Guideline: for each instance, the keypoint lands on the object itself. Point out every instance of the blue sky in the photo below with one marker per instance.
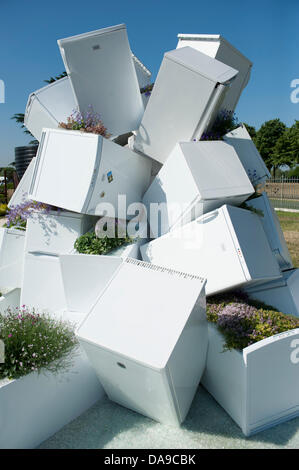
(266, 31)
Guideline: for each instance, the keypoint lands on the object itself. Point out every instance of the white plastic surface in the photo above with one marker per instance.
(49, 106)
(219, 48)
(102, 72)
(258, 387)
(20, 195)
(56, 231)
(149, 350)
(228, 246)
(282, 294)
(42, 286)
(273, 230)
(198, 177)
(249, 156)
(88, 171)
(12, 243)
(185, 100)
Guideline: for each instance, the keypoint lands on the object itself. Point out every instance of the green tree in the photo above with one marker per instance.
(266, 139)
(286, 151)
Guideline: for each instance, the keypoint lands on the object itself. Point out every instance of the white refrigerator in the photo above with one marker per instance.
(273, 230)
(146, 337)
(102, 73)
(42, 285)
(82, 172)
(49, 106)
(214, 45)
(55, 232)
(20, 195)
(249, 155)
(12, 243)
(282, 294)
(228, 246)
(184, 103)
(198, 177)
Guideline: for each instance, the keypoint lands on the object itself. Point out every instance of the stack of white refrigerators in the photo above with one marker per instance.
(142, 309)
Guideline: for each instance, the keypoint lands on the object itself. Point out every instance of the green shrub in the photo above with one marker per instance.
(35, 342)
(90, 244)
(244, 322)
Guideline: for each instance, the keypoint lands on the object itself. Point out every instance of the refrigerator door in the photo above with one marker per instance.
(219, 48)
(273, 230)
(42, 286)
(21, 193)
(186, 96)
(49, 106)
(228, 246)
(137, 347)
(102, 73)
(197, 178)
(66, 166)
(249, 156)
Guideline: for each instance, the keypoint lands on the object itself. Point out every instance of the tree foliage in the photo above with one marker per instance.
(266, 140)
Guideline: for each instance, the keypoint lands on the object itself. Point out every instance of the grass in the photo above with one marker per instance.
(290, 225)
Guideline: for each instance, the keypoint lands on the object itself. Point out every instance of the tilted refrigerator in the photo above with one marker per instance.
(20, 194)
(12, 241)
(184, 103)
(102, 73)
(146, 337)
(282, 294)
(249, 156)
(214, 45)
(228, 246)
(272, 229)
(198, 177)
(55, 232)
(81, 172)
(49, 106)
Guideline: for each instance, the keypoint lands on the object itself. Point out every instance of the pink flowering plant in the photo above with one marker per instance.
(89, 121)
(244, 322)
(35, 342)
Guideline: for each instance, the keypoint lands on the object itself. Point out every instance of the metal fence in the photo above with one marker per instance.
(283, 192)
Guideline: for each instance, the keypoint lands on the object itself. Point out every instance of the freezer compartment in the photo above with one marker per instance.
(282, 294)
(228, 246)
(82, 172)
(197, 178)
(102, 73)
(55, 232)
(215, 46)
(49, 106)
(273, 230)
(249, 156)
(186, 98)
(149, 353)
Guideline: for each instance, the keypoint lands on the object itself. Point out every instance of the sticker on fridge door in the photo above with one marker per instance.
(109, 176)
